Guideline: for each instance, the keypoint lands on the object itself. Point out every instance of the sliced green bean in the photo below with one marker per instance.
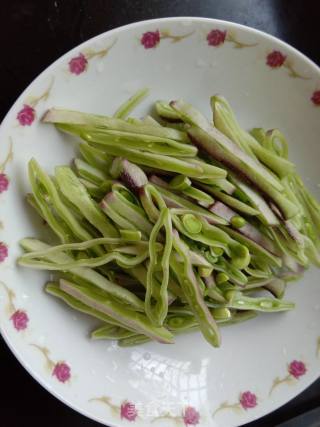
(133, 320)
(106, 139)
(133, 341)
(90, 173)
(76, 122)
(158, 312)
(74, 191)
(96, 279)
(155, 160)
(125, 109)
(53, 288)
(166, 112)
(230, 200)
(95, 158)
(241, 302)
(192, 292)
(48, 188)
(111, 332)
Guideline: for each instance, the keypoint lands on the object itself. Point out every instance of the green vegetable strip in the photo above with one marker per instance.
(96, 279)
(245, 166)
(267, 216)
(174, 200)
(199, 195)
(36, 173)
(76, 122)
(117, 311)
(192, 292)
(95, 158)
(148, 143)
(253, 247)
(125, 109)
(180, 322)
(275, 141)
(140, 273)
(76, 193)
(240, 302)
(38, 202)
(166, 112)
(130, 235)
(158, 313)
(226, 122)
(229, 200)
(124, 261)
(209, 171)
(148, 120)
(151, 200)
(133, 341)
(223, 144)
(233, 274)
(95, 191)
(53, 288)
(32, 202)
(92, 174)
(111, 332)
(134, 213)
(211, 236)
(154, 160)
(115, 216)
(89, 244)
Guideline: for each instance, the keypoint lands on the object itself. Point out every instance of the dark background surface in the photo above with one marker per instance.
(34, 33)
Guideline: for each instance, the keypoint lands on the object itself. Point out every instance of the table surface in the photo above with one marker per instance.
(34, 33)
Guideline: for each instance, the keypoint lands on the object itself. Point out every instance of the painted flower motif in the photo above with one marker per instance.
(128, 411)
(3, 251)
(4, 182)
(297, 368)
(20, 320)
(26, 115)
(216, 37)
(150, 39)
(78, 64)
(248, 400)
(275, 59)
(191, 416)
(62, 372)
(316, 97)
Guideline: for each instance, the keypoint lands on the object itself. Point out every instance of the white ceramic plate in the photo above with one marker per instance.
(260, 365)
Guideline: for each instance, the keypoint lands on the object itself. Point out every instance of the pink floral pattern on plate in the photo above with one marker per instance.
(20, 320)
(296, 369)
(78, 64)
(151, 39)
(247, 400)
(315, 98)
(277, 59)
(61, 370)
(126, 410)
(3, 251)
(217, 38)
(189, 417)
(4, 180)
(27, 114)
(18, 316)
